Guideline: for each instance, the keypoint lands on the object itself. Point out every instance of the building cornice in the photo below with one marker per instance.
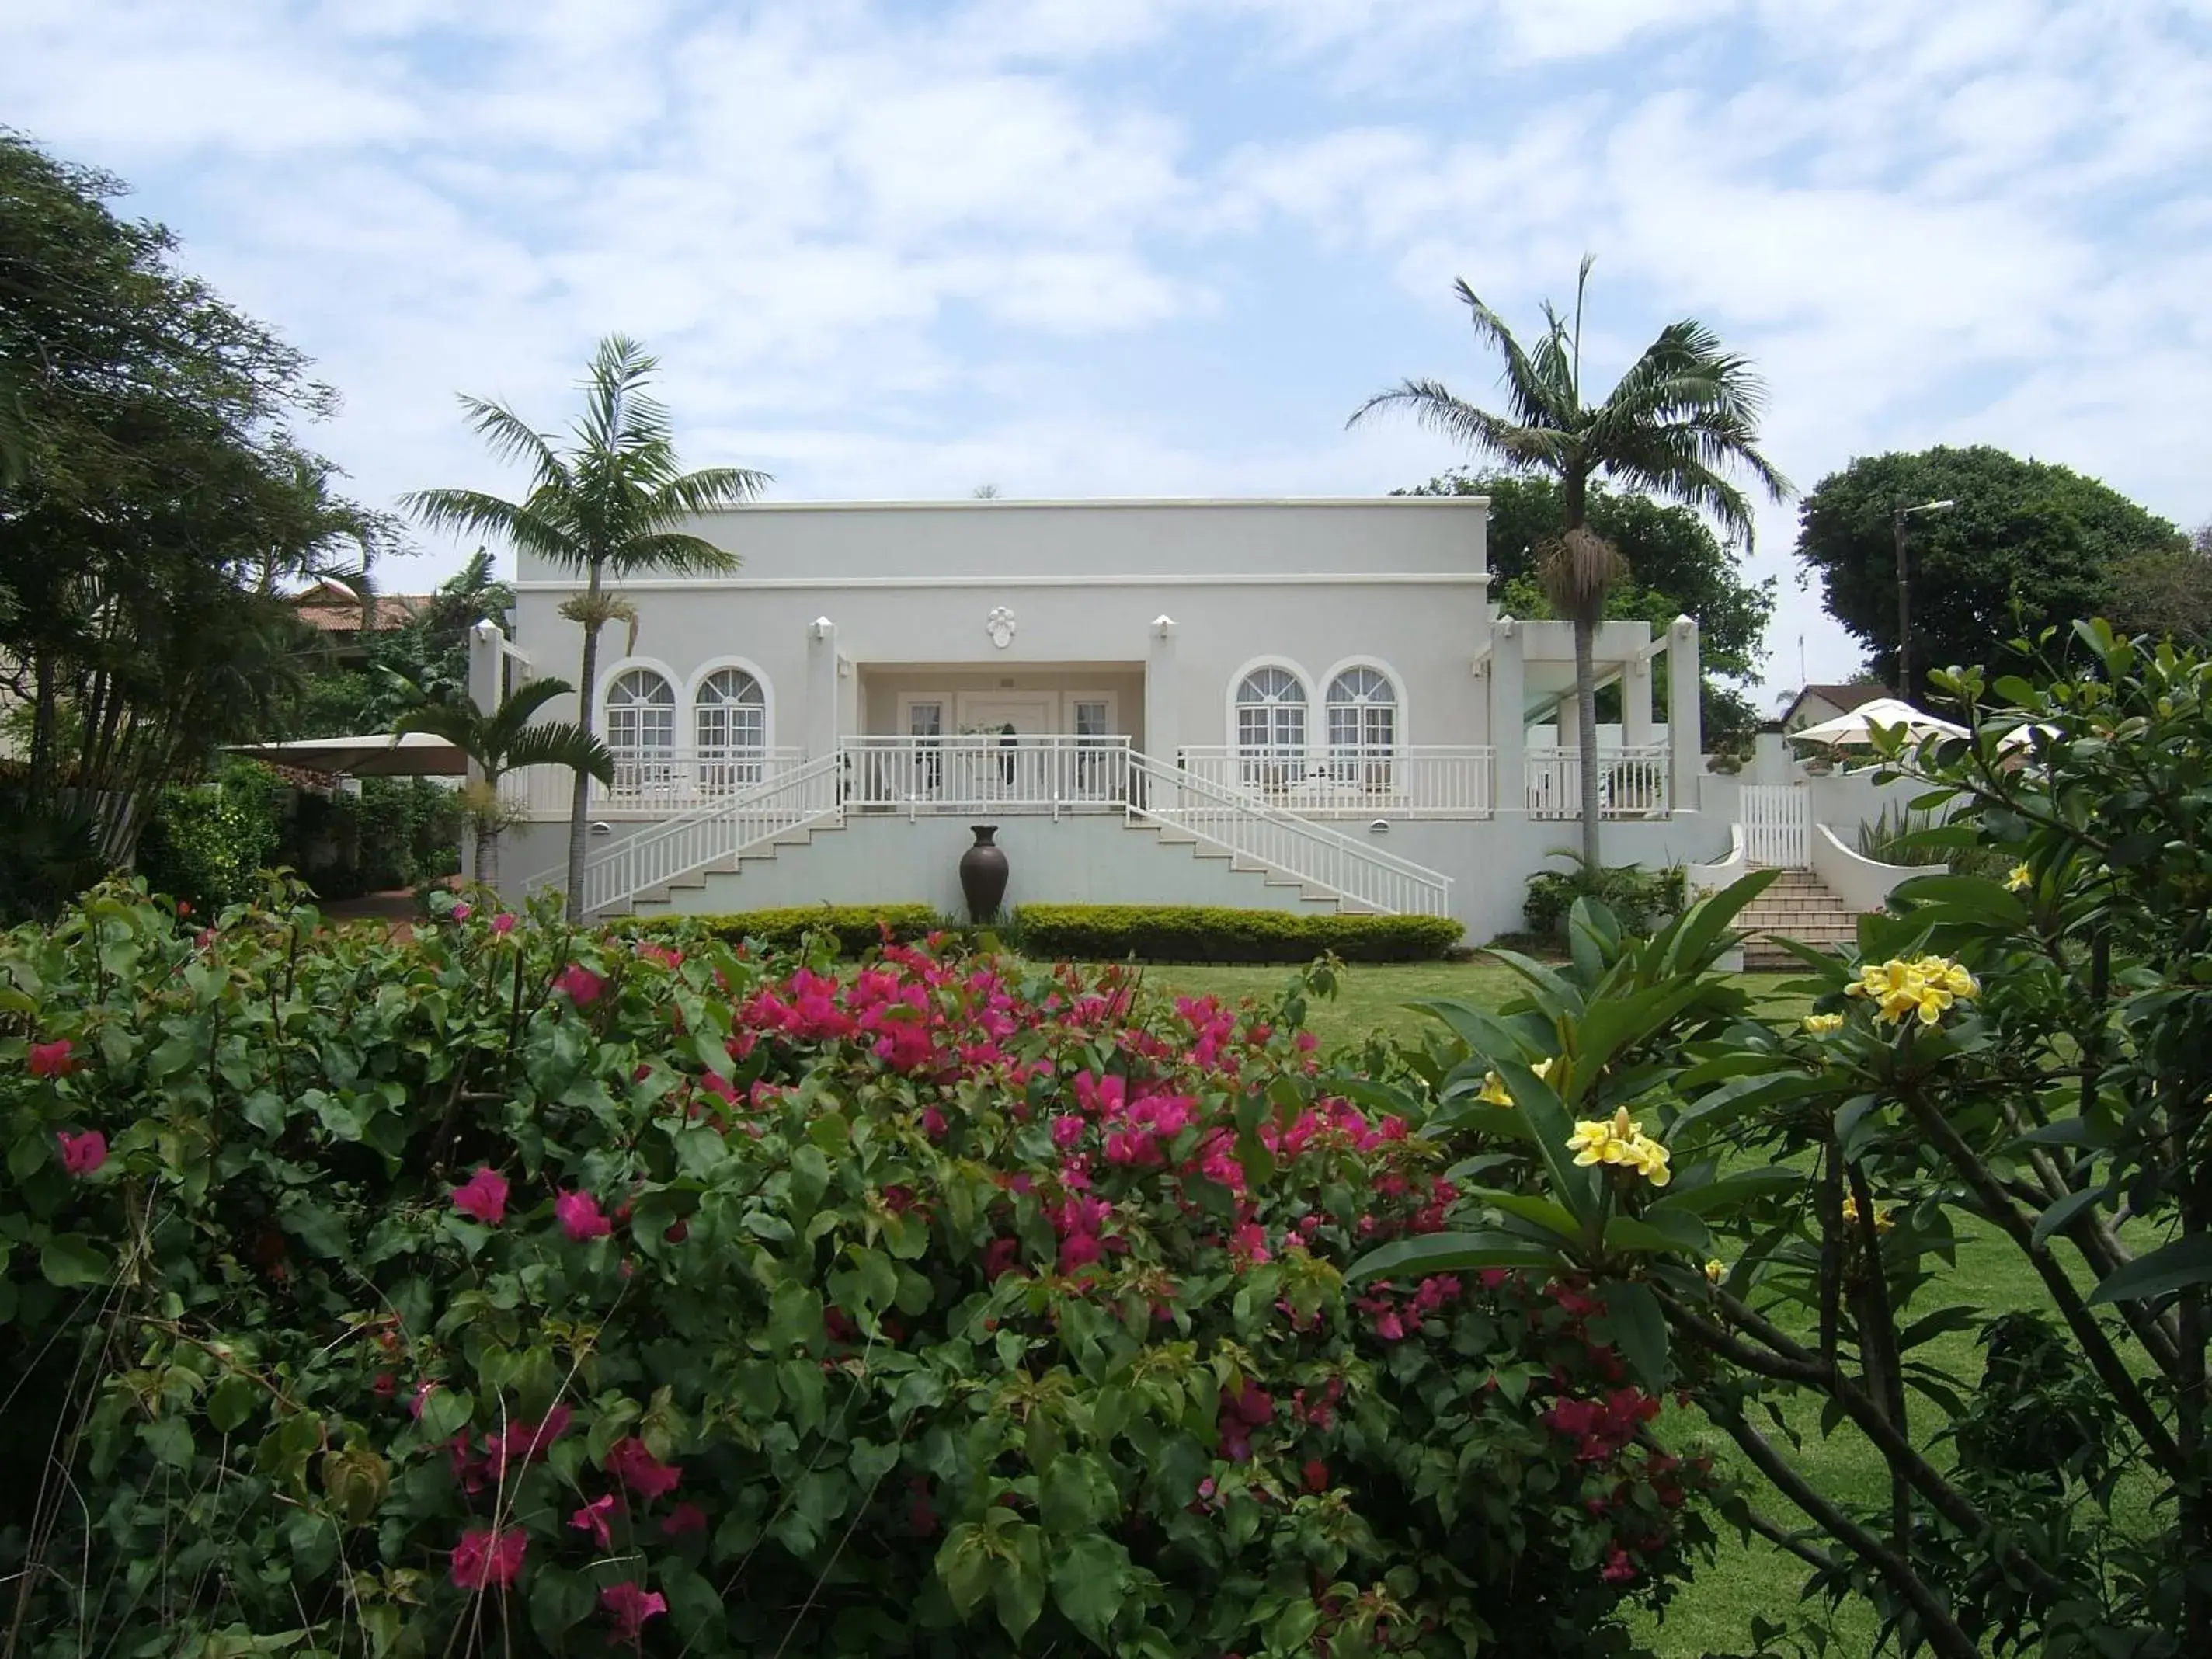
(1117, 579)
(1110, 504)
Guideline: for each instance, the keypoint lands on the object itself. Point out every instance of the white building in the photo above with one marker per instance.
(1277, 704)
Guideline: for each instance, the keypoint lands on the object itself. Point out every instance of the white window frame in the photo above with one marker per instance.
(1363, 763)
(641, 766)
(1275, 765)
(728, 766)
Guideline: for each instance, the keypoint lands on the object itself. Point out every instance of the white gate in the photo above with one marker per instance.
(1777, 826)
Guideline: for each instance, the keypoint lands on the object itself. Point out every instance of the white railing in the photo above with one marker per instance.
(653, 858)
(1777, 826)
(1631, 781)
(657, 783)
(1407, 782)
(1244, 825)
(1023, 773)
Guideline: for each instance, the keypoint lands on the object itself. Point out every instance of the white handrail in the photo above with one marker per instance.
(1244, 824)
(1632, 780)
(1408, 781)
(978, 772)
(650, 783)
(679, 847)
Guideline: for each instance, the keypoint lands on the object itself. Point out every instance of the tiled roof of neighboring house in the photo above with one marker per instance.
(329, 608)
(1842, 698)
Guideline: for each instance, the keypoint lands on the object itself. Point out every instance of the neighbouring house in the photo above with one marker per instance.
(347, 624)
(1816, 704)
(1275, 704)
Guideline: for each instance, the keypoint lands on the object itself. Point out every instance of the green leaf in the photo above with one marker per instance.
(559, 1602)
(1664, 1232)
(1729, 1192)
(2187, 1261)
(446, 1413)
(1639, 1330)
(230, 1403)
(1073, 1492)
(170, 1440)
(317, 1228)
(1975, 898)
(1020, 1585)
(2060, 1216)
(965, 1564)
(69, 1260)
(313, 1542)
(1542, 1212)
(1942, 1322)
(1090, 1581)
(1697, 935)
(1445, 1253)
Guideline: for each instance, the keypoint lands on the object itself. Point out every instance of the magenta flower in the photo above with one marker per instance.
(580, 985)
(581, 1217)
(684, 1517)
(483, 1196)
(502, 923)
(629, 1462)
(592, 1519)
(1067, 1131)
(631, 1605)
(524, 1442)
(462, 912)
(82, 1154)
(484, 1558)
(932, 1122)
(51, 1059)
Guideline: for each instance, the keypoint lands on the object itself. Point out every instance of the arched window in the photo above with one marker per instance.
(1363, 727)
(1271, 728)
(730, 730)
(641, 730)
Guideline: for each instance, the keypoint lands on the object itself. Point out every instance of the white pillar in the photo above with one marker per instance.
(1686, 733)
(487, 691)
(1636, 700)
(1508, 781)
(823, 690)
(1164, 733)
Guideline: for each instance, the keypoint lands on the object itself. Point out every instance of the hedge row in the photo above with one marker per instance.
(859, 927)
(1188, 932)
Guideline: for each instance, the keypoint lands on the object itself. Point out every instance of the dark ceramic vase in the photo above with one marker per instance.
(983, 874)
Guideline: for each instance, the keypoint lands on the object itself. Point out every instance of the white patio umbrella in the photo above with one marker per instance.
(1857, 727)
(376, 754)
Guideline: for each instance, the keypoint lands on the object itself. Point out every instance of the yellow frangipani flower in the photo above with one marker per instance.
(1822, 1024)
(1714, 1271)
(2021, 879)
(1542, 1068)
(1926, 986)
(1619, 1140)
(1883, 1218)
(1492, 1092)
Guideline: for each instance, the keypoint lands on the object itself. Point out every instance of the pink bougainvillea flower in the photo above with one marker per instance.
(581, 1217)
(53, 1058)
(1617, 1569)
(462, 911)
(629, 1462)
(593, 1519)
(485, 1558)
(82, 1154)
(483, 1196)
(684, 1517)
(1316, 1475)
(932, 1123)
(580, 985)
(385, 1385)
(1001, 1256)
(502, 923)
(631, 1605)
(524, 1442)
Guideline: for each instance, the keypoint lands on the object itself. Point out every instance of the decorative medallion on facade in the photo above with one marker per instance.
(1000, 625)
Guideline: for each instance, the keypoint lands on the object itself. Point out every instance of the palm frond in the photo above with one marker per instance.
(476, 513)
(558, 743)
(673, 550)
(513, 439)
(1667, 463)
(1434, 406)
(1536, 400)
(459, 723)
(713, 487)
(503, 725)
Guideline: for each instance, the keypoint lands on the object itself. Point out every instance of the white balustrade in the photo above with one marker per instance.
(1632, 780)
(658, 783)
(1441, 782)
(1246, 825)
(1024, 772)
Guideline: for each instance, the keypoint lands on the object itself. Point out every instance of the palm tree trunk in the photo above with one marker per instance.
(1586, 735)
(580, 803)
(488, 852)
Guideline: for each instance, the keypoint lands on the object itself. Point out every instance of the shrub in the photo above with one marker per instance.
(206, 844)
(857, 929)
(1901, 836)
(1640, 899)
(509, 1287)
(1167, 932)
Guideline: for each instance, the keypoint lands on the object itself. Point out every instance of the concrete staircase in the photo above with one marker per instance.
(1800, 906)
(1242, 864)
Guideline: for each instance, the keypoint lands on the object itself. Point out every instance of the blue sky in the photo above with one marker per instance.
(1104, 248)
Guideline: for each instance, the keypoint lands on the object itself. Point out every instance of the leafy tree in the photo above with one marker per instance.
(2163, 591)
(503, 742)
(606, 505)
(1675, 425)
(150, 501)
(2028, 545)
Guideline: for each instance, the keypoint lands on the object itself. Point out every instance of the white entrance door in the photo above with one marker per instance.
(1777, 826)
(1002, 757)
(1030, 714)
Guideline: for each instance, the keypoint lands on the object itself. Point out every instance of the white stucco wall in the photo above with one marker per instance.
(1398, 582)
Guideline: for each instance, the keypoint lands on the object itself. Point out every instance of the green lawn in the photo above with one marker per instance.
(1713, 1612)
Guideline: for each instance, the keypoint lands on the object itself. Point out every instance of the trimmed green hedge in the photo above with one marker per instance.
(1190, 932)
(859, 927)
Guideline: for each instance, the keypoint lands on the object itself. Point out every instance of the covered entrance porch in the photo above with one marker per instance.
(964, 738)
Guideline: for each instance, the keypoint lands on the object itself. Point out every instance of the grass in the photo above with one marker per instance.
(1713, 1611)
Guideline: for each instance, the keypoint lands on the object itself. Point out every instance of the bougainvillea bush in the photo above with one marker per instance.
(511, 1289)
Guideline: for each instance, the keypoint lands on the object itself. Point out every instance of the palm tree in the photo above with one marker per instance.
(1684, 415)
(503, 742)
(606, 505)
